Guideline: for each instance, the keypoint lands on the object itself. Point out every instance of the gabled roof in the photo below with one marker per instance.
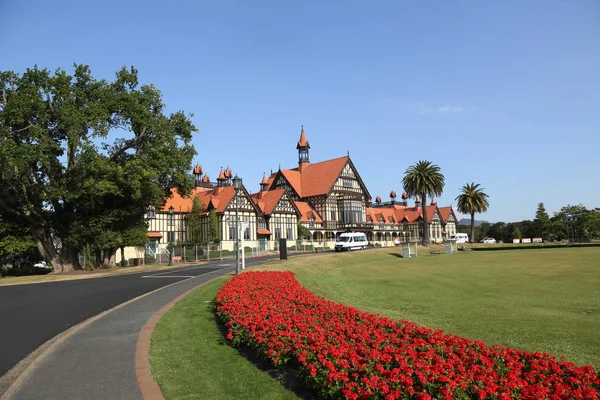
(267, 201)
(445, 213)
(306, 211)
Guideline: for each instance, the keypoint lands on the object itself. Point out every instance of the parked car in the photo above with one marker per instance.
(41, 264)
(488, 240)
(460, 237)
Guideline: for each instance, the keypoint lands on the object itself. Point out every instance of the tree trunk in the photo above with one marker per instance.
(45, 245)
(108, 257)
(472, 227)
(425, 220)
(70, 255)
(123, 261)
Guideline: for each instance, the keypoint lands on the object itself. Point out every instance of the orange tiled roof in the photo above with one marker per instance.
(220, 198)
(267, 201)
(293, 177)
(445, 212)
(263, 231)
(206, 178)
(221, 176)
(154, 234)
(306, 211)
(198, 170)
(319, 178)
(227, 173)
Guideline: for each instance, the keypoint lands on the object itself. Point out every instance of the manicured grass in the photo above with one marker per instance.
(537, 300)
(190, 359)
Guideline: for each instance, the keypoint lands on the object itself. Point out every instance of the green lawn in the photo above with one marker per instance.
(537, 300)
(189, 358)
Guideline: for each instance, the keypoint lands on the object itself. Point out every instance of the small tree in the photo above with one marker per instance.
(542, 222)
(517, 233)
(194, 222)
(302, 231)
(213, 228)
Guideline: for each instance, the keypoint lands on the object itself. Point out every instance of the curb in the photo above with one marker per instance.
(148, 386)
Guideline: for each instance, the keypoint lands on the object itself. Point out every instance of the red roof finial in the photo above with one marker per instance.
(206, 178)
(227, 173)
(198, 170)
(221, 175)
(433, 202)
(393, 194)
(264, 180)
(303, 142)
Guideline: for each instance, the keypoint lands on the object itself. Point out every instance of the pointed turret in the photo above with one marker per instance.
(302, 148)
(404, 199)
(198, 170)
(221, 179)
(393, 196)
(264, 184)
(206, 179)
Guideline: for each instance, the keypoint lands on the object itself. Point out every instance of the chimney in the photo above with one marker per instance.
(393, 197)
(404, 199)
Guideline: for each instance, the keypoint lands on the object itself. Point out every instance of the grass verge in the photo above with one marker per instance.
(190, 359)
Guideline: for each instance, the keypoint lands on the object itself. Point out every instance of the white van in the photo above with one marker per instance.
(350, 241)
(460, 237)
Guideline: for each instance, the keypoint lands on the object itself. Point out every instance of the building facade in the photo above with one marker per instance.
(327, 197)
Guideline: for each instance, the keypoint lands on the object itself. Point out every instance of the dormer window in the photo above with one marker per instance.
(312, 221)
(151, 213)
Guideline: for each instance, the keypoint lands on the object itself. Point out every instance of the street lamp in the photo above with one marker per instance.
(237, 184)
(171, 239)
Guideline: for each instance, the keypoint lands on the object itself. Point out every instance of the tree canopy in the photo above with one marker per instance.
(423, 179)
(81, 159)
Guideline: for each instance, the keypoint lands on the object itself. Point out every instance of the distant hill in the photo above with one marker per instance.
(467, 221)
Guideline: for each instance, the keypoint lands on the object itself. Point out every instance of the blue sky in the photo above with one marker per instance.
(505, 93)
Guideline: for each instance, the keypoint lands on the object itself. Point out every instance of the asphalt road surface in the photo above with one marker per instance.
(34, 313)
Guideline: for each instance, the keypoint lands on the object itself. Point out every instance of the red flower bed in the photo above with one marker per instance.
(343, 352)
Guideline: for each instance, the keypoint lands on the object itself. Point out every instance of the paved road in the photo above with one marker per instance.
(32, 314)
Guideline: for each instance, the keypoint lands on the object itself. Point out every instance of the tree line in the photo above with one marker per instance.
(575, 223)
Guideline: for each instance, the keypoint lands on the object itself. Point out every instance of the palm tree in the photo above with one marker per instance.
(423, 179)
(472, 200)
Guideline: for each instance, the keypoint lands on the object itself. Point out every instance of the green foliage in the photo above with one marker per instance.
(303, 231)
(517, 233)
(67, 179)
(424, 179)
(471, 200)
(15, 239)
(194, 222)
(213, 228)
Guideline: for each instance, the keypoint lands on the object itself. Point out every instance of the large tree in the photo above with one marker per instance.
(424, 179)
(81, 158)
(542, 222)
(471, 200)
